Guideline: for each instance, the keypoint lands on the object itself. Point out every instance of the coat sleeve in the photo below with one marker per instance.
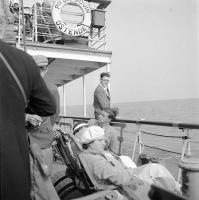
(56, 96)
(104, 170)
(41, 102)
(102, 99)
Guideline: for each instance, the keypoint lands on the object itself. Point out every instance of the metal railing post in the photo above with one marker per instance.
(120, 138)
(84, 95)
(18, 44)
(186, 149)
(23, 25)
(35, 20)
(64, 104)
(138, 140)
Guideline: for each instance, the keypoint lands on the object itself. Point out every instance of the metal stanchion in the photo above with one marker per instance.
(186, 150)
(138, 140)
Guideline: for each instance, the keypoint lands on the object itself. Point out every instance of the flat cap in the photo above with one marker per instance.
(40, 60)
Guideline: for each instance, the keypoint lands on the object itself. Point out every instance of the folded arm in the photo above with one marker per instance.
(41, 102)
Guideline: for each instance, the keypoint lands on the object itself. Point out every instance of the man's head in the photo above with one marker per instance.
(107, 115)
(42, 63)
(104, 79)
(104, 117)
(93, 137)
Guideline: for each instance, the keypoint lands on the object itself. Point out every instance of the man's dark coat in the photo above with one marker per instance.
(14, 153)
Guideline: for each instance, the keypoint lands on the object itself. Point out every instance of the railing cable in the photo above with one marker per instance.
(171, 136)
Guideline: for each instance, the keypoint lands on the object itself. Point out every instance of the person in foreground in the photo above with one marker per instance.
(41, 133)
(109, 172)
(14, 149)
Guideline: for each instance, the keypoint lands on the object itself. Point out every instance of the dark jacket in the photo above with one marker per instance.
(101, 100)
(14, 153)
(54, 91)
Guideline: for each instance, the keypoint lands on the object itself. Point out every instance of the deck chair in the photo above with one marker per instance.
(81, 179)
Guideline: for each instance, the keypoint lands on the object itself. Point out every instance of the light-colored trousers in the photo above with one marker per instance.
(41, 163)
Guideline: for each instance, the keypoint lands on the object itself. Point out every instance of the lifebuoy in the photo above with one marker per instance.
(61, 26)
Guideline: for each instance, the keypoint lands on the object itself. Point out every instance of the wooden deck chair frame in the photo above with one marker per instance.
(74, 168)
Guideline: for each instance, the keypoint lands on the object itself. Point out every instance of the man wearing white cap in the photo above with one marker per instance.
(109, 172)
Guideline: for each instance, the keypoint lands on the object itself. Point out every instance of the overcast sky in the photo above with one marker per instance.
(155, 52)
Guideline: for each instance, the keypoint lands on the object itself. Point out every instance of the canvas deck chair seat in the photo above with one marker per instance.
(72, 153)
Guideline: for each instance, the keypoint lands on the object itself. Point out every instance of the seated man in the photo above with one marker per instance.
(111, 173)
(104, 119)
(111, 141)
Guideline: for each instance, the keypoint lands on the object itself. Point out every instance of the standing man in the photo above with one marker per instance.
(102, 95)
(14, 149)
(41, 133)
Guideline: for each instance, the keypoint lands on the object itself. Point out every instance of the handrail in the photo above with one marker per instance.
(137, 122)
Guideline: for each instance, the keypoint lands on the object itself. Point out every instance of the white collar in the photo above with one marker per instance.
(106, 89)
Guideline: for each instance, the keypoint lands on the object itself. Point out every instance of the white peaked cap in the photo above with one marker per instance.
(78, 126)
(90, 134)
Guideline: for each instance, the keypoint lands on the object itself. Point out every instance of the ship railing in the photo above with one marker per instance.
(138, 143)
(39, 27)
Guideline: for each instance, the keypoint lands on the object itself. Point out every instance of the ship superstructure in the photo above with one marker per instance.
(71, 33)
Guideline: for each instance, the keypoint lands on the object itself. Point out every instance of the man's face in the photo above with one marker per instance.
(99, 144)
(103, 117)
(105, 81)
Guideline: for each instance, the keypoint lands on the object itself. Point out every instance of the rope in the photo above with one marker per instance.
(167, 158)
(196, 142)
(162, 149)
(171, 136)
